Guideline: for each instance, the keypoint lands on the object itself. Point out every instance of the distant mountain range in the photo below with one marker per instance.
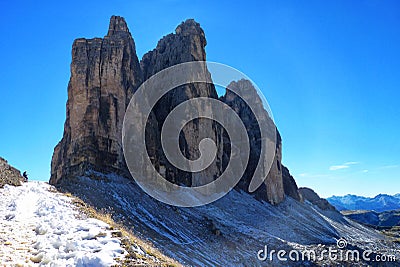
(379, 203)
(377, 219)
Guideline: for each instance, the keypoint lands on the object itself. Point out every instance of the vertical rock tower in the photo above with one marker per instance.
(272, 189)
(104, 74)
(185, 45)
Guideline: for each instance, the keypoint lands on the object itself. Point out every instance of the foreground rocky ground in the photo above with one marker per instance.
(232, 230)
(40, 226)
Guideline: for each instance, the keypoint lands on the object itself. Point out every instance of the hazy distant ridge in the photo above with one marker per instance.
(379, 203)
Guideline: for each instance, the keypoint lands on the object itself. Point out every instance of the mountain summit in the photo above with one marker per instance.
(117, 26)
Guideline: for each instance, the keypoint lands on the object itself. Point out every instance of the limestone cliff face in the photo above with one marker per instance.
(289, 185)
(104, 74)
(187, 44)
(272, 188)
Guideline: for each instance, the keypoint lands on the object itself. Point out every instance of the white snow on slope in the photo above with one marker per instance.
(41, 227)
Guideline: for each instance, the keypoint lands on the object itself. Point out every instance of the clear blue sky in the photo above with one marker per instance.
(330, 71)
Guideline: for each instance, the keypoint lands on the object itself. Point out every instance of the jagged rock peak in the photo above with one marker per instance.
(185, 45)
(117, 26)
(8, 174)
(242, 84)
(310, 195)
(189, 26)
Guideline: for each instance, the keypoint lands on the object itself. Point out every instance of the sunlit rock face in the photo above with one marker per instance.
(185, 45)
(104, 74)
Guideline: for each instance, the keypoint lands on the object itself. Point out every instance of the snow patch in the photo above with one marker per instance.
(41, 227)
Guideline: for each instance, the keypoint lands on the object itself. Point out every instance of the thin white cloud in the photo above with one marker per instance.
(338, 167)
(345, 165)
(365, 171)
(352, 163)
